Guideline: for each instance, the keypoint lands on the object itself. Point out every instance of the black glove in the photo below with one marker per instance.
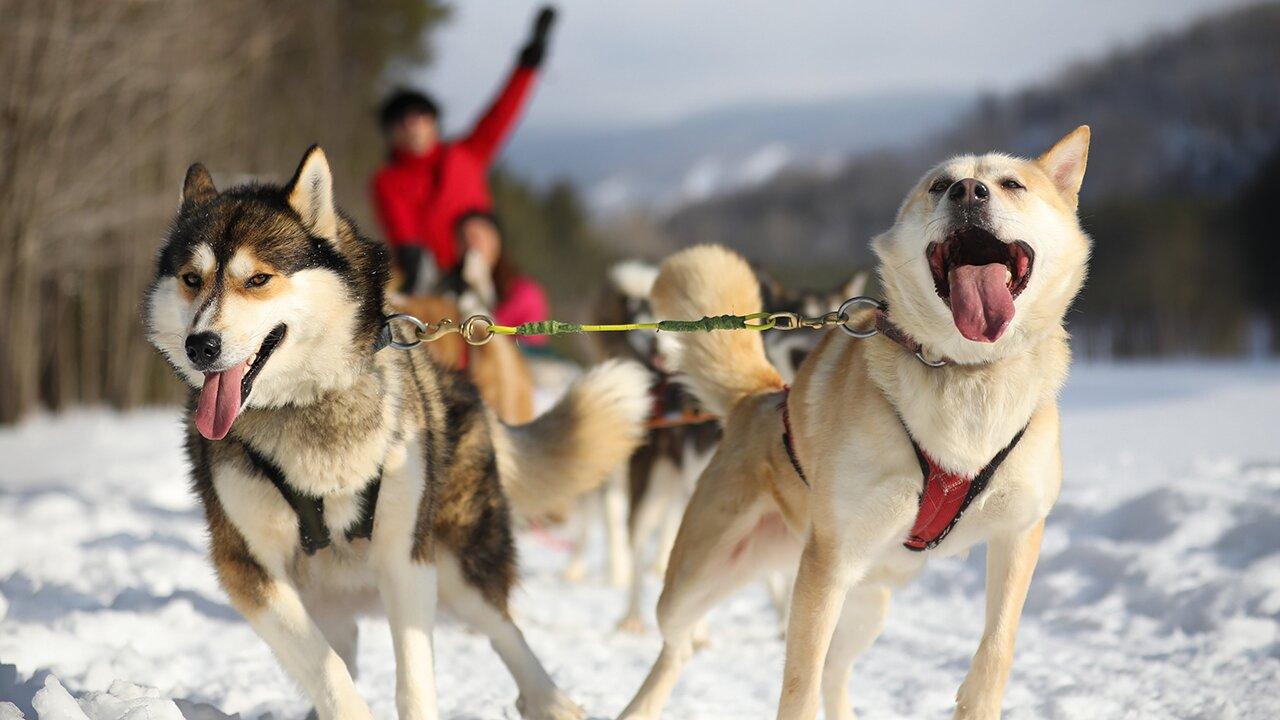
(533, 52)
(409, 258)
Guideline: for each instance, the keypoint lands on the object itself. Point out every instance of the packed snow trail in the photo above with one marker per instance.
(1158, 594)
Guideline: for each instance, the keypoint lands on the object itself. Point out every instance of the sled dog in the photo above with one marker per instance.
(336, 476)
(662, 472)
(936, 434)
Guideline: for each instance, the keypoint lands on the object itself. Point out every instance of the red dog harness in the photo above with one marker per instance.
(944, 497)
(947, 495)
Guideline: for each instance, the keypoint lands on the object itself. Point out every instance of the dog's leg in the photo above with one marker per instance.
(252, 557)
(779, 585)
(590, 506)
(304, 652)
(724, 542)
(861, 620)
(615, 525)
(842, 542)
(645, 519)
(408, 583)
(337, 620)
(1010, 564)
(539, 699)
(409, 590)
(670, 526)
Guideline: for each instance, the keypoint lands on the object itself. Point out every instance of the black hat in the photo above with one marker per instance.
(404, 102)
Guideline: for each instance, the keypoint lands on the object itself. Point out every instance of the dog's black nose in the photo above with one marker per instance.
(968, 192)
(203, 349)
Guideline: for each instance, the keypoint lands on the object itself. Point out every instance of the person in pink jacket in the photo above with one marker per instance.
(488, 279)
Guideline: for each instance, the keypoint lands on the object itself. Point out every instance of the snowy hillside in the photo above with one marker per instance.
(1158, 595)
(729, 148)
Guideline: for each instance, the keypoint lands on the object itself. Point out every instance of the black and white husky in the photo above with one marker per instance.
(336, 477)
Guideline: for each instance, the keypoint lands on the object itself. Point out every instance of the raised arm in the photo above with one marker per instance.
(498, 120)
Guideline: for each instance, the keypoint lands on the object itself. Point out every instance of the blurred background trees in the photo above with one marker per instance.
(103, 105)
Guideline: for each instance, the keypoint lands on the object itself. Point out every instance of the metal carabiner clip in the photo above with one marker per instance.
(472, 328)
(419, 326)
(843, 314)
(793, 321)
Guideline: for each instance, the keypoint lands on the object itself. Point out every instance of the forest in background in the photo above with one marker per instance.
(103, 105)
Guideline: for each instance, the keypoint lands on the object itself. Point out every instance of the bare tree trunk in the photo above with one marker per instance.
(103, 104)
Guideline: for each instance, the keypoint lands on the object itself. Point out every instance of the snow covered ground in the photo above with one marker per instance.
(1158, 595)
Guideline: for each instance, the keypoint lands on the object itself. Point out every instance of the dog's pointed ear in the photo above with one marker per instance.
(1065, 162)
(310, 194)
(198, 187)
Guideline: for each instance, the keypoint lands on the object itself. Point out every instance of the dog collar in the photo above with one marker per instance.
(944, 497)
(886, 327)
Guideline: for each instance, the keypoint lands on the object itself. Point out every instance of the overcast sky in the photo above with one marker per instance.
(616, 62)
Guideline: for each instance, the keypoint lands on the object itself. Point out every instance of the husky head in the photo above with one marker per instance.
(787, 351)
(625, 299)
(264, 296)
(987, 253)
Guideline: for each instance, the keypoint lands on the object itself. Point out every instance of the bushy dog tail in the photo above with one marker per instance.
(572, 447)
(724, 366)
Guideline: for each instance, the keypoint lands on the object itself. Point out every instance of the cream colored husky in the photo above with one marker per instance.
(841, 473)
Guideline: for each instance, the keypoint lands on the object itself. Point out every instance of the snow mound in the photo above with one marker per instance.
(122, 701)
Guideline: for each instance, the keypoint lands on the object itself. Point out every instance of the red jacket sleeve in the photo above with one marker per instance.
(498, 120)
(394, 211)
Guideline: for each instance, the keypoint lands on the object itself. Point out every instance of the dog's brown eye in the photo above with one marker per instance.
(939, 185)
(258, 280)
(1011, 184)
(191, 280)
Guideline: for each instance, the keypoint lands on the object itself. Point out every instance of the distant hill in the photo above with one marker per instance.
(1191, 113)
(724, 149)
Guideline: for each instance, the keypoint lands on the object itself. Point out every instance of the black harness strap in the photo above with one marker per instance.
(384, 337)
(368, 503)
(313, 533)
(788, 443)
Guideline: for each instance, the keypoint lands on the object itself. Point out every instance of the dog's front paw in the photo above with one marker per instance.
(556, 707)
(576, 572)
(976, 708)
(631, 624)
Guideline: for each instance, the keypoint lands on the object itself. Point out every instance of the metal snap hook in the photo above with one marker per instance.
(845, 317)
(420, 327)
(477, 330)
(931, 363)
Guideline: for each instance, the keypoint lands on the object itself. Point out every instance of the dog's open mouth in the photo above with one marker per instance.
(978, 275)
(224, 392)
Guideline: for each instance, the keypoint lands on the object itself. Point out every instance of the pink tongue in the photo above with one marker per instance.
(220, 402)
(981, 304)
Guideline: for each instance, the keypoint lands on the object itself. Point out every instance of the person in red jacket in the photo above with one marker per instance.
(429, 184)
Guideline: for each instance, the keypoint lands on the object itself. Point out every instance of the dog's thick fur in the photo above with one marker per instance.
(331, 414)
(851, 409)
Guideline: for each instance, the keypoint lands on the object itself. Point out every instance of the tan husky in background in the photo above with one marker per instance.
(979, 268)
